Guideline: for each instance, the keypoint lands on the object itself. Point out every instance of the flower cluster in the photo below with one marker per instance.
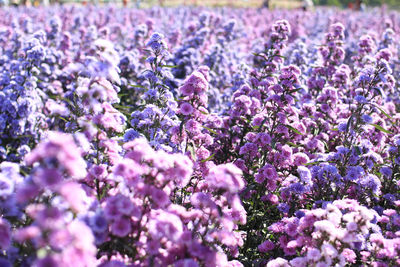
(199, 137)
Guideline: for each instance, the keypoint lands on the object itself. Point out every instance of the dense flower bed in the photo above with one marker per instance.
(195, 137)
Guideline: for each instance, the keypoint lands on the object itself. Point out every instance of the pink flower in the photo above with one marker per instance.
(27, 233)
(278, 262)
(164, 224)
(226, 176)
(349, 255)
(60, 239)
(75, 196)
(61, 148)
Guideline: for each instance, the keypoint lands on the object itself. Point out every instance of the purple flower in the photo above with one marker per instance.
(266, 246)
(297, 188)
(371, 182)
(366, 118)
(130, 135)
(305, 174)
(47, 177)
(5, 263)
(186, 108)
(160, 198)
(113, 263)
(195, 83)
(313, 254)
(361, 99)
(6, 186)
(5, 234)
(386, 171)
(45, 262)
(60, 239)
(283, 207)
(98, 223)
(121, 227)
(111, 211)
(186, 263)
(354, 172)
(187, 89)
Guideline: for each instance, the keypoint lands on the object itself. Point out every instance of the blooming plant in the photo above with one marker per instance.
(199, 137)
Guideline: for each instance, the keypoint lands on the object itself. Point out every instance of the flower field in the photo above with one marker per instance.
(193, 137)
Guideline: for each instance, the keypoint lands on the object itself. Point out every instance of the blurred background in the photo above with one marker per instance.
(271, 4)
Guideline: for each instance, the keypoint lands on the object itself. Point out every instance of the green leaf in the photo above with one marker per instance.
(245, 119)
(24, 173)
(384, 113)
(293, 144)
(209, 129)
(191, 150)
(294, 91)
(136, 86)
(66, 100)
(207, 159)
(181, 127)
(312, 163)
(349, 122)
(261, 125)
(203, 112)
(335, 129)
(24, 136)
(104, 191)
(380, 128)
(169, 66)
(121, 106)
(358, 150)
(293, 129)
(64, 119)
(273, 143)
